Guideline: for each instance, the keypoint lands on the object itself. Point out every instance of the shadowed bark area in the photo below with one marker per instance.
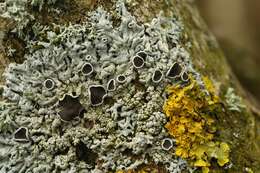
(236, 28)
(208, 59)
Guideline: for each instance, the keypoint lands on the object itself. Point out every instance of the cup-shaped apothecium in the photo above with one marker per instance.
(174, 71)
(167, 144)
(97, 94)
(138, 62)
(87, 69)
(157, 76)
(111, 85)
(121, 78)
(21, 135)
(49, 84)
(184, 76)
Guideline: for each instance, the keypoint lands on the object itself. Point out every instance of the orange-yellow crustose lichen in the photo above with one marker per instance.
(188, 109)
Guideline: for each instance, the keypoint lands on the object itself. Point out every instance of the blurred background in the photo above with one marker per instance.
(236, 24)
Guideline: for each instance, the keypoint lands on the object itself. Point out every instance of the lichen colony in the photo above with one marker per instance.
(106, 96)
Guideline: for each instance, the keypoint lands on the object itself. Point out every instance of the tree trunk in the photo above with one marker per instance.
(239, 129)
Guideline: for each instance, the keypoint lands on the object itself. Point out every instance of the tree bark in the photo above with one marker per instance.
(207, 58)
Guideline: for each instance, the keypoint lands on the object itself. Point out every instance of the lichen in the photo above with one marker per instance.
(41, 3)
(16, 10)
(64, 102)
(189, 110)
(234, 102)
(89, 97)
(145, 169)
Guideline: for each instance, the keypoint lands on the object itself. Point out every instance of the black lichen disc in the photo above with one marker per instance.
(21, 134)
(97, 94)
(111, 86)
(70, 108)
(87, 69)
(167, 144)
(138, 62)
(121, 78)
(157, 76)
(174, 71)
(185, 76)
(49, 84)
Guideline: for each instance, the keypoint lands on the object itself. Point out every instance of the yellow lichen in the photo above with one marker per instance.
(188, 110)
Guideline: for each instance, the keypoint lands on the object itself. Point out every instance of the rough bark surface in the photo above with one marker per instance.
(207, 58)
